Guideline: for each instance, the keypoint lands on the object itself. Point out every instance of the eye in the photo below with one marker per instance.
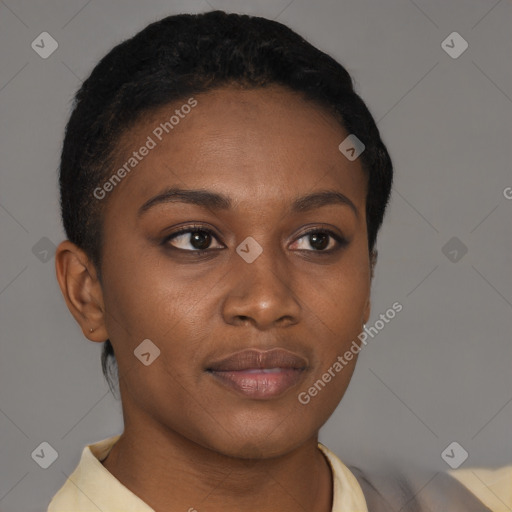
(199, 240)
(322, 240)
(198, 237)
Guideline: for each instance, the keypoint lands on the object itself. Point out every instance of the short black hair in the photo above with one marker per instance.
(188, 54)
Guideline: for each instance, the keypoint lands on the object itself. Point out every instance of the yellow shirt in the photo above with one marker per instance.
(91, 487)
(493, 487)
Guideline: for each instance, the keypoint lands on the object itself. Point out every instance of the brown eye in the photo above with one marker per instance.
(321, 241)
(197, 239)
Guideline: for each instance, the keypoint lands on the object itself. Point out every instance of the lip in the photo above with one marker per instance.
(259, 374)
(259, 359)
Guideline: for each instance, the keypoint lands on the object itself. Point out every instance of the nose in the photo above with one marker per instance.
(261, 293)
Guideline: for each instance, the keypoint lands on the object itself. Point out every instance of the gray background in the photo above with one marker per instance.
(441, 371)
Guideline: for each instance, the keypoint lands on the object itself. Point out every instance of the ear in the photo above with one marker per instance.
(81, 288)
(373, 262)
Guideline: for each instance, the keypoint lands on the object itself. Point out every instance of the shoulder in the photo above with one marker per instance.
(415, 490)
(493, 486)
(89, 481)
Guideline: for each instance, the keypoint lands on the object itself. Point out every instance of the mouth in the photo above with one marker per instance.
(259, 375)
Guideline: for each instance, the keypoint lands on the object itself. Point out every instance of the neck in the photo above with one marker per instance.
(171, 473)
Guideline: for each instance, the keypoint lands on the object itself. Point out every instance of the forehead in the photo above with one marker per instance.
(260, 144)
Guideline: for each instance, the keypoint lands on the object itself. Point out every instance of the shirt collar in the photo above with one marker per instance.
(347, 493)
(91, 486)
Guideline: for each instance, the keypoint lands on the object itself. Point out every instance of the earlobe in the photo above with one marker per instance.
(81, 290)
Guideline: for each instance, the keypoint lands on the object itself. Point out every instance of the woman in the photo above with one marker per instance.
(222, 187)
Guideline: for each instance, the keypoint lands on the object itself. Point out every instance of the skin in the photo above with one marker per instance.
(188, 441)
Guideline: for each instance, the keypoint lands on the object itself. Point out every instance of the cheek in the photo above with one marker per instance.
(339, 297)
(147, 299)
(337, 307)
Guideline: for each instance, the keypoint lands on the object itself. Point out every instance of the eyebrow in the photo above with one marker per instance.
(217, 201)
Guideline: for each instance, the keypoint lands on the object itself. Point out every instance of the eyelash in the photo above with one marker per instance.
(342, 242)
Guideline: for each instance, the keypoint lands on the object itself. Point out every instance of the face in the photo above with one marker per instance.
(259, 268)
